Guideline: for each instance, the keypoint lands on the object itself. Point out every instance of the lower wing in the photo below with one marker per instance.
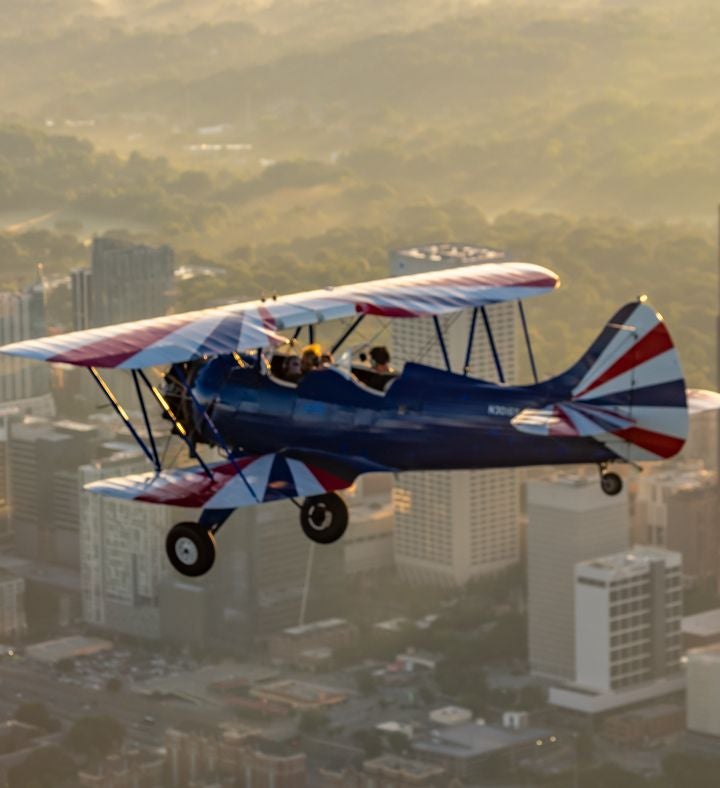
(244, 480)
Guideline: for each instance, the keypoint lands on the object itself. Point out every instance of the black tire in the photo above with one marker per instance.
(324, 518)
(611, 483)
(190, 549)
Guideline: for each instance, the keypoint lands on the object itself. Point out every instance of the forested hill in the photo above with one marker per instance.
(592, 107)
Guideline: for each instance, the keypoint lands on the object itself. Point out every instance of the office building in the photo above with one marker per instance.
(703, 690)
(23, 384)
(570, 520)
(451, 527)
(628, 614)
(677, 507)
(13, 622)
(125, 282)
(122, 552)
(82, 298)
(43, 459)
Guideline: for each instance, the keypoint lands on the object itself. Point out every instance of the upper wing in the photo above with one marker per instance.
(237, 327)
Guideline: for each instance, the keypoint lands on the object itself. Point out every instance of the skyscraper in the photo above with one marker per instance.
(570, 520)
(453, 526)
(22, 316)
(125, 282)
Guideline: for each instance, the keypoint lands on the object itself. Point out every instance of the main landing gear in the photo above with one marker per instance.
(324, 518)
(610, 482)
(190, 548)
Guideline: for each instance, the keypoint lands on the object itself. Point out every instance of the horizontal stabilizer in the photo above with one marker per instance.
(701, 401)
(247, 480)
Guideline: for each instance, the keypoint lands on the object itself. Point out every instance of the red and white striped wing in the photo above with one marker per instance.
(238, 327)
(248, 480)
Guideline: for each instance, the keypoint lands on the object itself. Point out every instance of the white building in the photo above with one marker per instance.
(453, 526)
(628, 616)
(122, 552)
(570, 519)
(703, 690)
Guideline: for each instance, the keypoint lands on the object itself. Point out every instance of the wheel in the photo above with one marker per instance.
(611, 483)
(190, 548)
(324, 518)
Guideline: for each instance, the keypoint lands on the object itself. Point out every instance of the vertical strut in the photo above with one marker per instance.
(342, 339)
(528, 343)
(491, 340)
(148, 427)
(217, 434)
(182, 432)
(112, 399)
(441, 340)
(471, 339)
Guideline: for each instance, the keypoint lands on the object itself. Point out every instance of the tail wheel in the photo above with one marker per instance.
(611, 483)
(324, 518)
(190, 549)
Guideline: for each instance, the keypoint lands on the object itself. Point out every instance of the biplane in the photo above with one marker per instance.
(304, 440)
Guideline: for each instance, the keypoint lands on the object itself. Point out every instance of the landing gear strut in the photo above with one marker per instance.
(324, 518)
(611, 483)
(190, 548)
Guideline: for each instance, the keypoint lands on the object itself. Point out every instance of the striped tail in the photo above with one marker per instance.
(627, 391)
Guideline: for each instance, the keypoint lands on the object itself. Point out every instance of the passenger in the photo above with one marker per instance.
(326, 359)
(310, 360)
(380, 360)
(293, 369)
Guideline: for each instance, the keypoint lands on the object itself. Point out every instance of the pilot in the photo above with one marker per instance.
(380, 360)
(310, 359)
(293, 369)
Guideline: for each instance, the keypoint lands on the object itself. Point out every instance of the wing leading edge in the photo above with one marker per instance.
(237, 327)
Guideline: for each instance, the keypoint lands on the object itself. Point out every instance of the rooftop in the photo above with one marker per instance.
(452, 254)
(636, 560)
(316, 626)
(702, 625)
(473, 740)
(706, 654)
(396, 766)
(51, 651)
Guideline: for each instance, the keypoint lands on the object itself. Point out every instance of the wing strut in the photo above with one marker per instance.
(470, 340)
(528, 344)
(491, 340)
(112, 399)
(441, 342)
(179, 428)
(216, 432)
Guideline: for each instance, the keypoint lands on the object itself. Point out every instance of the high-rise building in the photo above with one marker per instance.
(82, 297)
(22, 316)
(703, 690)
(677, 508)
(122, 552)
(13, 622)
(453, 526)
(43, 458)
(570, 520)
(126, 282)
(628, 614)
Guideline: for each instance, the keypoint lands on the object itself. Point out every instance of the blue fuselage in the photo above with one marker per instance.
(428, 419)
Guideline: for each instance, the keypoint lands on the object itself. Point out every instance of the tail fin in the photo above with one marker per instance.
(627, 391)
